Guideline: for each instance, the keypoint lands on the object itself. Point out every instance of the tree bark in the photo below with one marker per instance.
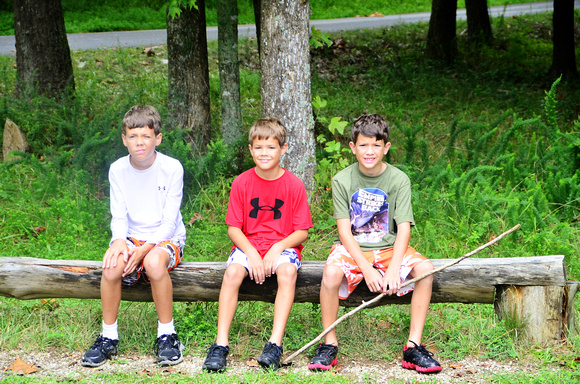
(471, 281)
(478, 23)
(285, 82)
(229, 70)
(563, 54)
(43, 61)
(441, 41)
(188, 98)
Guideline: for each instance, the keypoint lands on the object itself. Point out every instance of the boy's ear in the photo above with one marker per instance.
(284, 148)
(352, 146)
(158, 138)
(387, 147)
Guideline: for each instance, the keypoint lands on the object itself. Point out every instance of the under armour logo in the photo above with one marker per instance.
(255, 202)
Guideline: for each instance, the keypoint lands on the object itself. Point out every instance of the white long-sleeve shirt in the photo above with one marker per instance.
(146, 204)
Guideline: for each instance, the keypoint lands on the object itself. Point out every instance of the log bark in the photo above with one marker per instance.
(471, 281)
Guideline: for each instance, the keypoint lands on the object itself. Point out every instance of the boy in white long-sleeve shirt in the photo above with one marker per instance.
(148, 234)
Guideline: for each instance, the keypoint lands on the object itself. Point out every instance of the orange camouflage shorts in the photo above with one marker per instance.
(379, 258)
(175, 252)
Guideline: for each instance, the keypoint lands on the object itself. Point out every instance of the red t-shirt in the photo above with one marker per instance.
(268, 211)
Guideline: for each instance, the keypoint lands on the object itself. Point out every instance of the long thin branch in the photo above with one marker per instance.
(367, 303)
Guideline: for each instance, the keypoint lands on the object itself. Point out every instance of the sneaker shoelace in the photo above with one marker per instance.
(101, 343)
(215, 351)
(325, 350)
(165, 342)
(273, 348)
(422, 350)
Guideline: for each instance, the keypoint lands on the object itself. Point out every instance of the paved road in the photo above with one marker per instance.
(157, 37)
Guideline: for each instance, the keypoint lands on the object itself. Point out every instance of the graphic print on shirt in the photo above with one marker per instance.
(255, 202)
(369, 215)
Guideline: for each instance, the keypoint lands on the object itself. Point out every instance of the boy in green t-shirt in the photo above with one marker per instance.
(374, 216)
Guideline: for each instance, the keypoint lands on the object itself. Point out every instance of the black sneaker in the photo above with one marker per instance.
(270, 357)
(168, 349)
(324, 358)
(103, 348)
(420, 359)
(215, 360)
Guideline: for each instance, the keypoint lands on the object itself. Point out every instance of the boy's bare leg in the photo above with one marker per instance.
(331, 280)
(155, 264)
(286, 274)
(420, 301)
(228, 300)
(111, 291)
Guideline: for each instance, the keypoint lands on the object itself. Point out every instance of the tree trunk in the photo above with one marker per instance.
(188, 98)
(285, 82)
(563, 54)
(478, 24)
(43, 59)
(441, 41)
(229, 69)
(258, 21)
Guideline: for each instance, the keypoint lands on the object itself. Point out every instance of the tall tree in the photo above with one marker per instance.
(188, 99)
(478, 23)
(229, 69)
(563, 54)
(43, 59)
(258, 20)
(441, 41)
(285, 82)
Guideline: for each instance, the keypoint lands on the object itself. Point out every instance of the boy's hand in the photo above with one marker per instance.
(373, 279)
(117, 248)
(134, 257)
(391, 281)
(271, 259)
(256, 267)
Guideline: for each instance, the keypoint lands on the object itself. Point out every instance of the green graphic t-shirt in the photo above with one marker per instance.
(374, 205)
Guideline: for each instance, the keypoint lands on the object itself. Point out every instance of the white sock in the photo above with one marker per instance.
(110, 331)
(165, 329)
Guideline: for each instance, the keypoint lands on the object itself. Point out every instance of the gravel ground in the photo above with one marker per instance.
(60, 366)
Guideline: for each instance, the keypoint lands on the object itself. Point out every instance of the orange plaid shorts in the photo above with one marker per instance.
(175, 252)
(379, 258)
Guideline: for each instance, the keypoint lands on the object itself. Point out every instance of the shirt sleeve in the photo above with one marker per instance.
(302, 218)
(235, 213)
(119, 220)
(403, 206)
(171, 208)
(340, 200)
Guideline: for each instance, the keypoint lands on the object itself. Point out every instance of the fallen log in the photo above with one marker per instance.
(471, 281)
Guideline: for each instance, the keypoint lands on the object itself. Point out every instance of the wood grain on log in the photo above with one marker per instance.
(471, 281)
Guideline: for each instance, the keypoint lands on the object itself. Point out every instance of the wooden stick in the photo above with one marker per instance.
(367, 303)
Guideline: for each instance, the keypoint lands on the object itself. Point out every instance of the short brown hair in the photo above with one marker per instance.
(371, 125)
(140, 116)
(266, 128)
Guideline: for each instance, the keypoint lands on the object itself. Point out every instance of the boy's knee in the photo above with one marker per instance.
(422, 268)
(113, 274)
(286, 273)
(234, 273)
(332, 276)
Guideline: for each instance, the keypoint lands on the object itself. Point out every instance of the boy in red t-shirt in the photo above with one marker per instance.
(268, 220)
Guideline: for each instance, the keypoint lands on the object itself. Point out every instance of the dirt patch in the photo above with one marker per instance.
(58, 365)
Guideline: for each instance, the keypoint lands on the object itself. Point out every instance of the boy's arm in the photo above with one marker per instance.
(372, 277)
(255, 263)
(392, 279)
(293, 240)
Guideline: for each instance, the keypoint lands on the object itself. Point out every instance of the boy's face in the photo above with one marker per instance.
(266, 154)
(141, 143)
(369, 153)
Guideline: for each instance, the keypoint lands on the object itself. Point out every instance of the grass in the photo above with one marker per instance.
(114, 15)
(475, 138)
